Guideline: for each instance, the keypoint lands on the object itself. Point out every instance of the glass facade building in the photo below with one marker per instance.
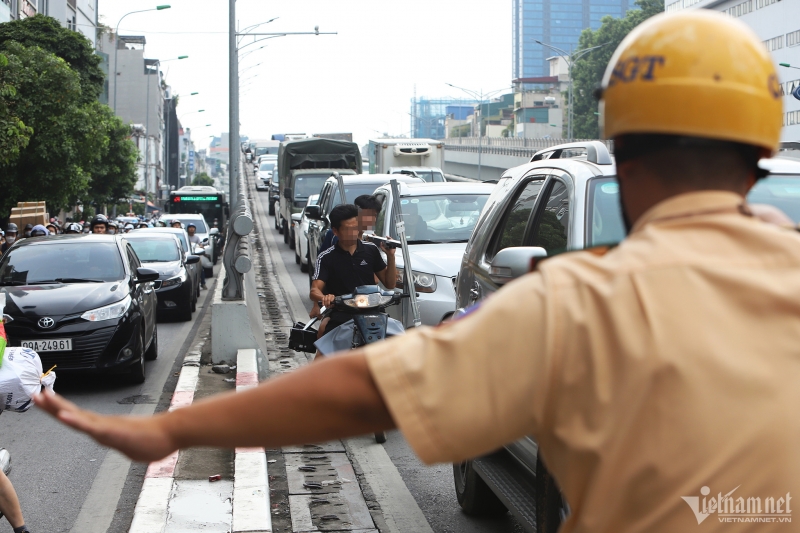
(555, 22)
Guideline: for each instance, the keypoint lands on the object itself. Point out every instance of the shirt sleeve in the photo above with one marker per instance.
(327, 241)
(321, 270)
(378, 264)
(468, 387)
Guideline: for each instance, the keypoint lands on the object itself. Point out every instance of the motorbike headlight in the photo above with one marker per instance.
(366, 301)
(109, 312)
(176, 280)
(422, 282)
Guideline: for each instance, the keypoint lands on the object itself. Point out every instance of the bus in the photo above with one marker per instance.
(206, 201)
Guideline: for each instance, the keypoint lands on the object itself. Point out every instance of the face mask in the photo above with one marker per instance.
(11, 238)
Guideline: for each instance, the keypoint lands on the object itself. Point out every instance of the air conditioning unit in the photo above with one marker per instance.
(412, 149)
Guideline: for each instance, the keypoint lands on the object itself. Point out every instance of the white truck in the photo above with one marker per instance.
(423, 158)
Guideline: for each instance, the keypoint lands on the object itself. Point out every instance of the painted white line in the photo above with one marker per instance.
(251, 508)
(150, 515)
(196, 505)
(399, 508)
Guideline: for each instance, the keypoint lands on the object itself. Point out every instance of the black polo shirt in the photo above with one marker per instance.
(343, 272)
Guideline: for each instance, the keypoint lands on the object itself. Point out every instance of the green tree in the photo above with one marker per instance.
(66, 139)
(14, 134)
(203, 179)
(71, 46)
(587, 73)
(113, 172)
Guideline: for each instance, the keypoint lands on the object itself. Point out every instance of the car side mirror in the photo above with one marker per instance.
(144, 275)
(313, 212)
(511, 263)
(192, 259)
(287, 193)
(214, 231)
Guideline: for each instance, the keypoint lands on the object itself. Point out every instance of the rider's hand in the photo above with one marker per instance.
(327, 299)
(314, 311)
(142, 439)
(387, 250)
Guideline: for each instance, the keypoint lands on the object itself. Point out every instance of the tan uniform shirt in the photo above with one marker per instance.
(670, 364)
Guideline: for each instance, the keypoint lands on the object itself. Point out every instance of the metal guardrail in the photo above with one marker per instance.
(511, 146)
(236, 258)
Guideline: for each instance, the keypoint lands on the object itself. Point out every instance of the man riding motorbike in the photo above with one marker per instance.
(348, 264)
(191, 229)
(99, 224)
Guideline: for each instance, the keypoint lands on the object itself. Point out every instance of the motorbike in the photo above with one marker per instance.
(370, 324)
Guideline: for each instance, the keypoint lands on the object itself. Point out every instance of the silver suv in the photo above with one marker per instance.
(566, 198)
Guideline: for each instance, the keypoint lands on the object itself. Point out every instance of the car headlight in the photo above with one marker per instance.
(366, 301)
(176, 280)
(109, 312)
(422, 282)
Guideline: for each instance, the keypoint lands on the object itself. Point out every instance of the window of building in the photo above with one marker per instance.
(765, 3)
(740, 9)
(776, 43)
(793, 38)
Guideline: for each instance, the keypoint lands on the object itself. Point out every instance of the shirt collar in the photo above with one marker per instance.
(689, 204)
(359, 247)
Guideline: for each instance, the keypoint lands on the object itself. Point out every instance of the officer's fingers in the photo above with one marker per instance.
(53, 403)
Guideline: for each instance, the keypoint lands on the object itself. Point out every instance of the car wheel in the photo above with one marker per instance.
(304, 267)
(137, 370)
(549, 503)
(194, 301)
(152, 352)
(285, 233)
(271, 208)
(278, 225)
(185, 314)
(473, 494)
(296, 254)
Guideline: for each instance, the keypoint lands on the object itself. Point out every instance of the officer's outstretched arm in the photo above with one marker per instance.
(330, 399)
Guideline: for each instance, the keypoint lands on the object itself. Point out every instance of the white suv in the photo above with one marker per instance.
(206, 234)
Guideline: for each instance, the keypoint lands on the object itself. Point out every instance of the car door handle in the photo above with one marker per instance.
(475, 291)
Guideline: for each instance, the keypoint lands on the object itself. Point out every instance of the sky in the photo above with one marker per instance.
(361, 80)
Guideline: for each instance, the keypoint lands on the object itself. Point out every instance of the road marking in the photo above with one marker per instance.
(197, 505)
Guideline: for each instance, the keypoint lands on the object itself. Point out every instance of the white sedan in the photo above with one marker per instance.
(300, 223)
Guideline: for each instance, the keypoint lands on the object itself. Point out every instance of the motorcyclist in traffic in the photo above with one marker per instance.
(27, 231)
(73, 228)
(112, 229)
(99, 224)
(9, 503)
(10, 237)
(191, 229)
(39, 231)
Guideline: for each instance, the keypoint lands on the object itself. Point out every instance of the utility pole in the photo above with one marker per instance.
(233, 88)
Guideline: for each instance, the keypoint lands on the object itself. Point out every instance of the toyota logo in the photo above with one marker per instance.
(46, 322)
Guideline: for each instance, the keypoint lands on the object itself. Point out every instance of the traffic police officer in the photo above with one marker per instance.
(660, 379)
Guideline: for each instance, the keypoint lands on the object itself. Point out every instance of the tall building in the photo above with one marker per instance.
(17, 9)
(778, 25)
(428, 115)
(555, 22)
(77, 15)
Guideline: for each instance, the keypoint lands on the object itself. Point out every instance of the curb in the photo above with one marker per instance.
(251, 504)
(151, 512)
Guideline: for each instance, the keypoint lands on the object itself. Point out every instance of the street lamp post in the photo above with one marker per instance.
(116, 46)
(480, 97)
(570, 59)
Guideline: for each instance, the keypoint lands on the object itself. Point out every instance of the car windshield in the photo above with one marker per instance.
(151, 250)
(605, 225)
(441, 218)
(353, 191)
(782, 192)
(267, 167)
(429, 176)
(307, 184)
(181, 235)
(74, 260)
(199, 223)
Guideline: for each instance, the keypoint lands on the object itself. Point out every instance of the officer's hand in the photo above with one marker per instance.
(388, 251)
(142, 439)
(327, 300)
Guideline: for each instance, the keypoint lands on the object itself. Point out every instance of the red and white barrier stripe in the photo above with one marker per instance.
(151, 510)
(251, 511)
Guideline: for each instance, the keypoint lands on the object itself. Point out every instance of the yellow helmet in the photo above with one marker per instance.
(697, 73)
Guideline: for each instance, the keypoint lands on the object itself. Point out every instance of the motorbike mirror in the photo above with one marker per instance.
(511, 263)
(192, 259)
(205, 240)
(214, 231)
